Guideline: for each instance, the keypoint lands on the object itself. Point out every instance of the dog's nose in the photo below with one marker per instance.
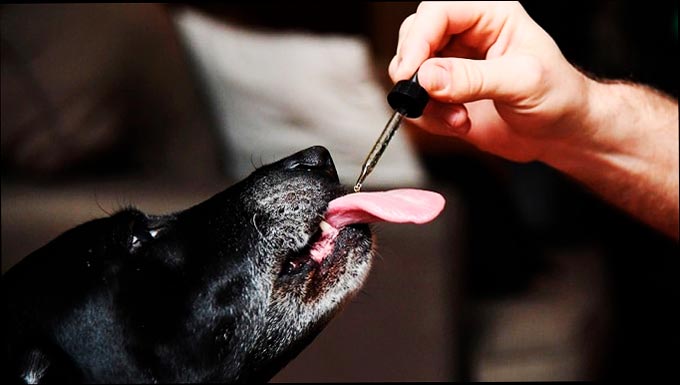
(313, 158)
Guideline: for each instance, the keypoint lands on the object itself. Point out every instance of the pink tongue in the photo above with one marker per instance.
(396, 206)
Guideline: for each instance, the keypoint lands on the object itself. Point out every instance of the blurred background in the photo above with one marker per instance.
(525, 276)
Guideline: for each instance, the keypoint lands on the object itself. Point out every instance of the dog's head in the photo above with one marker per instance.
(223, 291)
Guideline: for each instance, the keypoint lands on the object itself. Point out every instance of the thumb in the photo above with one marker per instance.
(457, 80)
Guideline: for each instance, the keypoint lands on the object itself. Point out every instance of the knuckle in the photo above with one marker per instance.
(511, 6)
(472, 78)
(508, 8)
(424, 5)
(431, 7)
(406, 25)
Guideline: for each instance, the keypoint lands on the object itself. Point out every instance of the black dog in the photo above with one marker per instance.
(224, 291)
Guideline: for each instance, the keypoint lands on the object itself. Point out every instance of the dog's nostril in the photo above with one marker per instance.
(304, 166)
(313, 158)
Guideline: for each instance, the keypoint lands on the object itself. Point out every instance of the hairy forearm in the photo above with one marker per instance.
(628, 152)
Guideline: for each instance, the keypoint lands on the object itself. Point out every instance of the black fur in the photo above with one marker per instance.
(223, 291)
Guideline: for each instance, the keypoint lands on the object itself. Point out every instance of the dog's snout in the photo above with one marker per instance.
(314, 158)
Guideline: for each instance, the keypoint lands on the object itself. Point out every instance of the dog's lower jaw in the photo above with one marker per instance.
(281, 343)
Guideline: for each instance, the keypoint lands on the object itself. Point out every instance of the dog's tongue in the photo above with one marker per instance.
(396, 206)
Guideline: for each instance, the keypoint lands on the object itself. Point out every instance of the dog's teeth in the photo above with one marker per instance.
(325, 226)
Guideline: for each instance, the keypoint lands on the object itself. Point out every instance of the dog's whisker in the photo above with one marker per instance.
(364, 293)
(96, 201)
(262, 237)
(378, 255)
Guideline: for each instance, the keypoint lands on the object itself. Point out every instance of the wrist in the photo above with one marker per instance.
(625, 148)
(596, 130)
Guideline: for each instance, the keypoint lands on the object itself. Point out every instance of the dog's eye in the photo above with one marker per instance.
(135, 242)
(141, 234)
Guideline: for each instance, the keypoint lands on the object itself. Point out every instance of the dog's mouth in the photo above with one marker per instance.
(325, 245)
(301, 260)
(342, 227)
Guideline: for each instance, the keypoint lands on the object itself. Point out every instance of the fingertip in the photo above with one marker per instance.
(463, 127)
(393, 67)
(447, 119)
(401, 70)
(456, 118)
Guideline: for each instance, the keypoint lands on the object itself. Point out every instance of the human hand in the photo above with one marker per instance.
(499, 81)
(495, 78)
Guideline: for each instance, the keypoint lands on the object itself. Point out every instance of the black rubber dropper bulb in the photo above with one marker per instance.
(408, 97)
